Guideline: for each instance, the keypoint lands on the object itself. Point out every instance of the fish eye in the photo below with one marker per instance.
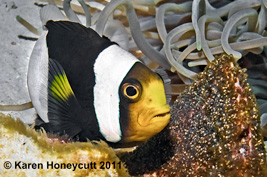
(131, 91)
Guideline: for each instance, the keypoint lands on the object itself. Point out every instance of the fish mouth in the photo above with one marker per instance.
(162, 115)
(156, 116)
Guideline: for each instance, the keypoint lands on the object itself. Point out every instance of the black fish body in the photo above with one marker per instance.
(87, 87)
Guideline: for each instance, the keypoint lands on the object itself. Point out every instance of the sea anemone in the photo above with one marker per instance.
(179, 37)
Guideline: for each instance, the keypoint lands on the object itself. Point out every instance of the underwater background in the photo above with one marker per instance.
(15, 51)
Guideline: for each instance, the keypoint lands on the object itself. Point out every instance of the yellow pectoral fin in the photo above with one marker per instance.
(60, 87)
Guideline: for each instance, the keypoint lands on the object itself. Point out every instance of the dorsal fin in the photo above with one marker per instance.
(73, 27)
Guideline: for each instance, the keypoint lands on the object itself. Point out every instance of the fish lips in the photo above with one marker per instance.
(159, 115)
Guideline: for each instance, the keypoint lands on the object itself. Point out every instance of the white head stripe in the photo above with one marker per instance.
(111, 66)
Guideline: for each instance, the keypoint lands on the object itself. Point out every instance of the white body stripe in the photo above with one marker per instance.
(111, 66)
(38, 76)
